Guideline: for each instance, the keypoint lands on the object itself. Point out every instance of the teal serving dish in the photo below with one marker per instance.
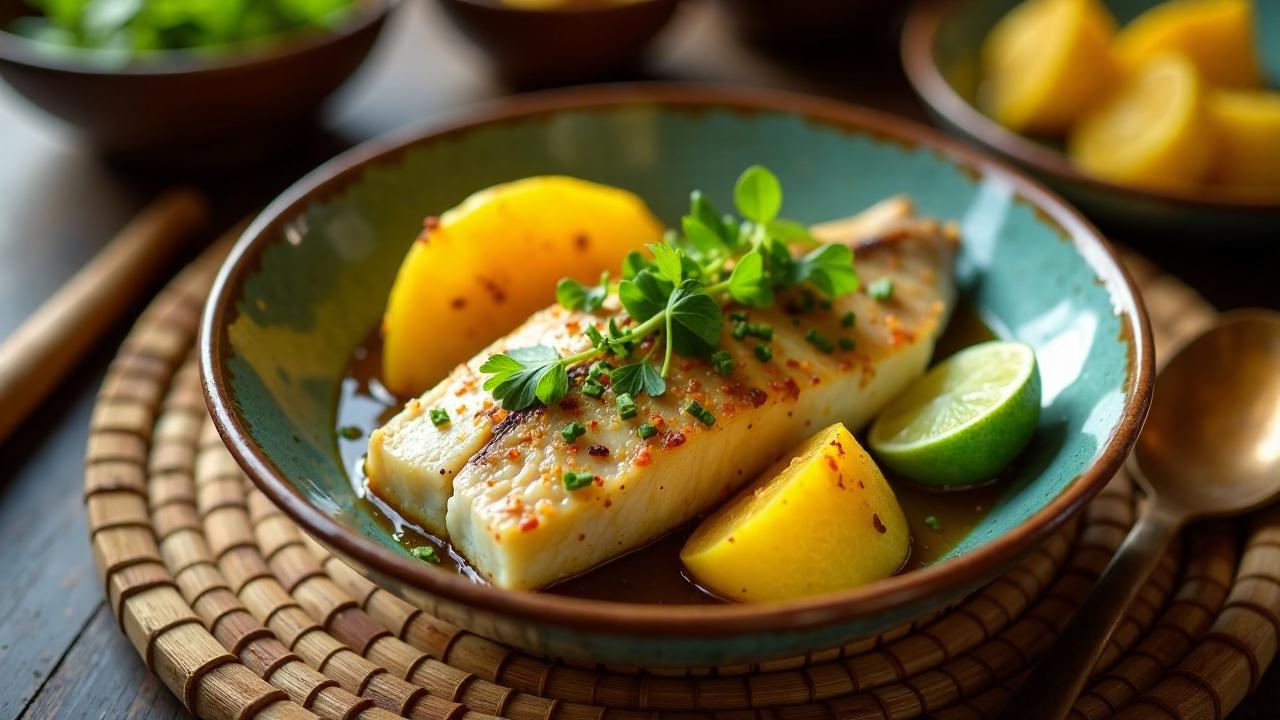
(309, 278)
(941, 42)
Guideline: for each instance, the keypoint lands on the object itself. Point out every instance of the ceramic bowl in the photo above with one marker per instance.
(181, 108)
(540, 48)
(310, 277)
(940, 48)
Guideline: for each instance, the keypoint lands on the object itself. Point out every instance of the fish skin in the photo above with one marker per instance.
(493, 480)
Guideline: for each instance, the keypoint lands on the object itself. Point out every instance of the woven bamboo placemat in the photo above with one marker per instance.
(242, 616)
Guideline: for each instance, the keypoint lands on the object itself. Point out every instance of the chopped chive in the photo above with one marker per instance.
(819, 340)
(626, 406)
(573, 431)
(647, 430)
(933, 523)
(593, 389)
(350, 432)
(848, 319)
(881, 289)
(722, 361)
(703, 415)
(738, 316)
(426, 553)
(764, 353)
(847, 343)
(806, 302)
(764, 331)
(577, 480)
(740, 330)
(439, 416)
(597, 368)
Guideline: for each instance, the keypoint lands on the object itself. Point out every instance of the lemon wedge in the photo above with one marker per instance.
(1153, 132)
(1216, 35)
(1246, 124)
(1046, 63)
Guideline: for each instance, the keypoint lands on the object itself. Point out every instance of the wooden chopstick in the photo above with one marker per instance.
(39, 353)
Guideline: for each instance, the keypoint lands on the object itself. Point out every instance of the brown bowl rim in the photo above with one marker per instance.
(678, 620)
(920, 63)
(166, 63)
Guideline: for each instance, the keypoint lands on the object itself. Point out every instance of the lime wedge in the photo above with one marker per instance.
(965, 420)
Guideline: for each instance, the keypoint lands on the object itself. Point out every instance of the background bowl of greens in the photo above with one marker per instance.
(167, 81)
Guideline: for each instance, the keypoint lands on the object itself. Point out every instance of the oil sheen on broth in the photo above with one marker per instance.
(653, 574)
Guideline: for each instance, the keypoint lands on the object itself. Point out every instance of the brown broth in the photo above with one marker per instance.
(654, 573)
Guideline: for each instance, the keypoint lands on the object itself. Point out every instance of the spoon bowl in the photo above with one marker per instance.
(1211, 445)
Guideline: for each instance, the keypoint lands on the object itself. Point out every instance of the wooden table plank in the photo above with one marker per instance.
(50, 589)
(104, 660)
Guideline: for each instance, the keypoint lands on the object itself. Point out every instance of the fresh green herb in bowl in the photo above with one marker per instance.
(126, 30)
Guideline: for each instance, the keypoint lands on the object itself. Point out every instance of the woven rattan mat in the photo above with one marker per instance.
(242, 616)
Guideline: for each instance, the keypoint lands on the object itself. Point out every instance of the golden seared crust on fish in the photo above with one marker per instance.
(494, 480)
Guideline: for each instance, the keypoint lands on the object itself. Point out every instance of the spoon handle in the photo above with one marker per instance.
(1053, 685)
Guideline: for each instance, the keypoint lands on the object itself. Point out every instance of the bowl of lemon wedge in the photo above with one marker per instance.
(1156, 117)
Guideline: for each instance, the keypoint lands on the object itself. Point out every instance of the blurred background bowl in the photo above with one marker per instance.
(800, 24)
(561, 45)
(180, 107)
(940, 48)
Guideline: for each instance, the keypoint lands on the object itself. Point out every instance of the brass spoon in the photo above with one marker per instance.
(1210, 448)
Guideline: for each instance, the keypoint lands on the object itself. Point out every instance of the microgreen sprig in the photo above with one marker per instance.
(677, 292)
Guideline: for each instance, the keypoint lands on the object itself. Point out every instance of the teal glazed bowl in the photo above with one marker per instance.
(940, 52)
(310, 277)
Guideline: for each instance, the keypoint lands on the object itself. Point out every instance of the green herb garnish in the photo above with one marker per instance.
(647, 430)
(123, 29)
(676, 294)
(703, 415)
(575, 296)
(848, 319)
(626, 406)
(764, 353)
(426, 553)
(573, 431)
(439, 416)
(847, 343)
(820, 341)
(933, 523)
(578, 480)
(881, 289)
(722, 362)
(350, 432)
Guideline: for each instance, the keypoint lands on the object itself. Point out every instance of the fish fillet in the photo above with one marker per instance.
(491, 481)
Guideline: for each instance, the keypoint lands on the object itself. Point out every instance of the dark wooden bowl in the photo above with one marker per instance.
(540, 48)
(801, 24)
(179, 108)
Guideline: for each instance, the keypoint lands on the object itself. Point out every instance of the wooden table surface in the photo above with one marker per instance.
(61, 653)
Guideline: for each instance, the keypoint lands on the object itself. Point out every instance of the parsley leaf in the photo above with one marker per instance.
(669, 262)
(645, 295)
(695, 321)
(758, 195)
(830, 269)
(638, 378)
(703, 238)
(633, 263)
(790, 232)
(527, 376)
(575, 296)
(747, 283)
